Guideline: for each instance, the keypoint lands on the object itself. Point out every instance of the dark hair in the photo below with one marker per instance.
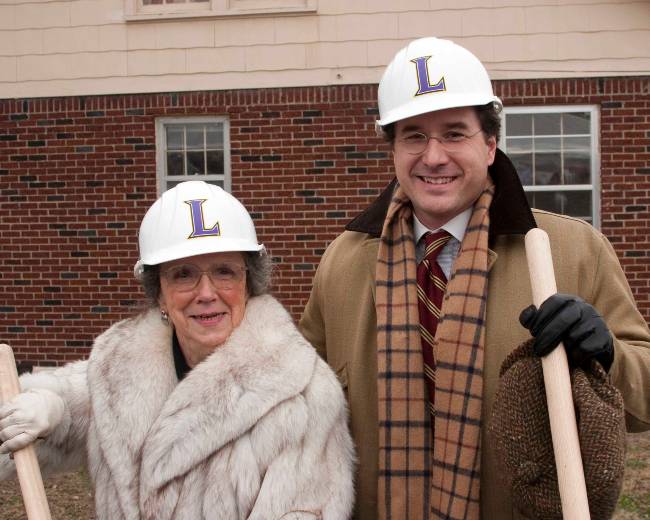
(488, 117)
(259, 269)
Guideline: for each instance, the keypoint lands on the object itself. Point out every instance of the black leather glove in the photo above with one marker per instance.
(572, 321)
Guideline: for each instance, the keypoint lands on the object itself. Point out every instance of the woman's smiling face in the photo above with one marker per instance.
(204, 316)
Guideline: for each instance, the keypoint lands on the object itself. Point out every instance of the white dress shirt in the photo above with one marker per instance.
(455, 227)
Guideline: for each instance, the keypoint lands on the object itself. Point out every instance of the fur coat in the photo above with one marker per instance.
(258, 430)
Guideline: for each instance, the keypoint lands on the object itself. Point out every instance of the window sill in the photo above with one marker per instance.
(133, 13)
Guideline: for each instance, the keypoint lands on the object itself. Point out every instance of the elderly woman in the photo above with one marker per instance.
(210, 404)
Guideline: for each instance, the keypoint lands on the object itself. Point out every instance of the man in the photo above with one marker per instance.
(418, 404)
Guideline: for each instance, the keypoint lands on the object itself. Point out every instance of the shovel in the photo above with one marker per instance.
(564, 430)
(29, 474)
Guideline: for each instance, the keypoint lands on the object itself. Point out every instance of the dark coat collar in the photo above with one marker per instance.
(510, 213)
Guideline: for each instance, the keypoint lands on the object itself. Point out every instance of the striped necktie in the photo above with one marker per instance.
(431, 288)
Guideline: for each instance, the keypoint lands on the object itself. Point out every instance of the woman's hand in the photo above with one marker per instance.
(28, 416)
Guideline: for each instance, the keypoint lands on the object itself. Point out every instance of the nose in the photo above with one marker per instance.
(434, 154)
(205, 289)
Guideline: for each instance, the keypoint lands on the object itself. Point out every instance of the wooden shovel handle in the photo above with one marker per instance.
(29, 474)
(566, 445)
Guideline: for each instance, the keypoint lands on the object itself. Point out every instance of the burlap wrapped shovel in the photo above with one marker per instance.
(519, 430)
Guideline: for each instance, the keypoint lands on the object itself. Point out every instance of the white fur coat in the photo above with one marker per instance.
(257, 431)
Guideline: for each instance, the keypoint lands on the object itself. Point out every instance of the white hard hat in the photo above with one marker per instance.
(431, 74)
(194, 218)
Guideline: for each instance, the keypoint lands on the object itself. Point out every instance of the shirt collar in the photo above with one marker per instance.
(180, 363)
(455, 227)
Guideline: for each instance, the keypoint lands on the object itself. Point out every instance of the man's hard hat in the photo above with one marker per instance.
(431, 74)
(194, 218)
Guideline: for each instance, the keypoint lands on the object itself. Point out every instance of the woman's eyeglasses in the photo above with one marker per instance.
(186, 277)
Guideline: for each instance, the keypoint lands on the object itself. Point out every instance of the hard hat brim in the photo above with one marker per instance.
(226, 245)
(417, 107)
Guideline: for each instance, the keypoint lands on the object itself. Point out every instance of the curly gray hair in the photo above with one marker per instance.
(259, 270)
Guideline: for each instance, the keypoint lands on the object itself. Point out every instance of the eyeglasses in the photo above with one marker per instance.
(415, 143)
(186, 277)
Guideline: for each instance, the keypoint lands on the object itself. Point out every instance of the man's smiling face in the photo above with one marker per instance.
(442, 183)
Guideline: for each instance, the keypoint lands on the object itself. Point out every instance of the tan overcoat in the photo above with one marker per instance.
(340, 320)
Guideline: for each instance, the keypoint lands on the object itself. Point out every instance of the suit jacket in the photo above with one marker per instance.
(257, 430)
(340, 321)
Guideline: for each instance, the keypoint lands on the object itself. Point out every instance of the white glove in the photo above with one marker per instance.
(28, 416)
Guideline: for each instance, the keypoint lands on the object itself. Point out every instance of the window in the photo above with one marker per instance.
(193, 148)
(171, 7)
(555, 152)
(157, 9)
(160, 2)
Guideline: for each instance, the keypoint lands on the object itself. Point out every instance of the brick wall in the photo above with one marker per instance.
(624, 156)
(77, 175)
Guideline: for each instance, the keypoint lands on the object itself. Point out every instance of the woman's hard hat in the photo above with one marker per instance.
(431, 74)
(194, 218)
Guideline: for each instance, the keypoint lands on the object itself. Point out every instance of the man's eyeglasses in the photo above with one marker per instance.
(415, 143)
(186, 277)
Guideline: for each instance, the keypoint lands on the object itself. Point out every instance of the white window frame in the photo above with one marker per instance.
(135, 10)
(161, 149)
(594, 159)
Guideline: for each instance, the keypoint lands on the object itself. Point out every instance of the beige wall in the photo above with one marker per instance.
(73, 47)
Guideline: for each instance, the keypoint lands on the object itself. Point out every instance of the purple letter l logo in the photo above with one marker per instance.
(198, 225)
(425, 86)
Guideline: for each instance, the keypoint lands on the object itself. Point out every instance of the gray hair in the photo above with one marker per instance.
(259, 271)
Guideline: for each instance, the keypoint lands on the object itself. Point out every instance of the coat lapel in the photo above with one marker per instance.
(225, 396)
(130, 375)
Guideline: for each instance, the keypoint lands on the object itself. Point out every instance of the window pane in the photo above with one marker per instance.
(214, 136)
(577, 144)
(174, 137)
(215, 162)
(195, 137)
(547, 124)
(547, 144)
(524, 165)
(195, 163)
(519, 124)
(167, 2)
(577, 168)
(577, 160)
(547, 169)
(171, 184)
(175, 163)
(159, 2)
(572, 203)
(576, 123)
(217, 183)
(519, 145)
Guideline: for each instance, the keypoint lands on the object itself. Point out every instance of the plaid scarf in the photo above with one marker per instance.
(419, 478)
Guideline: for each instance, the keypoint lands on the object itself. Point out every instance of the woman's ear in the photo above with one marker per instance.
(161, 302)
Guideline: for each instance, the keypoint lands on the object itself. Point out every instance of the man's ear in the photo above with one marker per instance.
(492, 149)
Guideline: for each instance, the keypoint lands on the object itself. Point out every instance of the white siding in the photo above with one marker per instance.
(65, 47)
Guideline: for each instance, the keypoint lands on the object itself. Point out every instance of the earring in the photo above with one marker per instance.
(164, 317)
